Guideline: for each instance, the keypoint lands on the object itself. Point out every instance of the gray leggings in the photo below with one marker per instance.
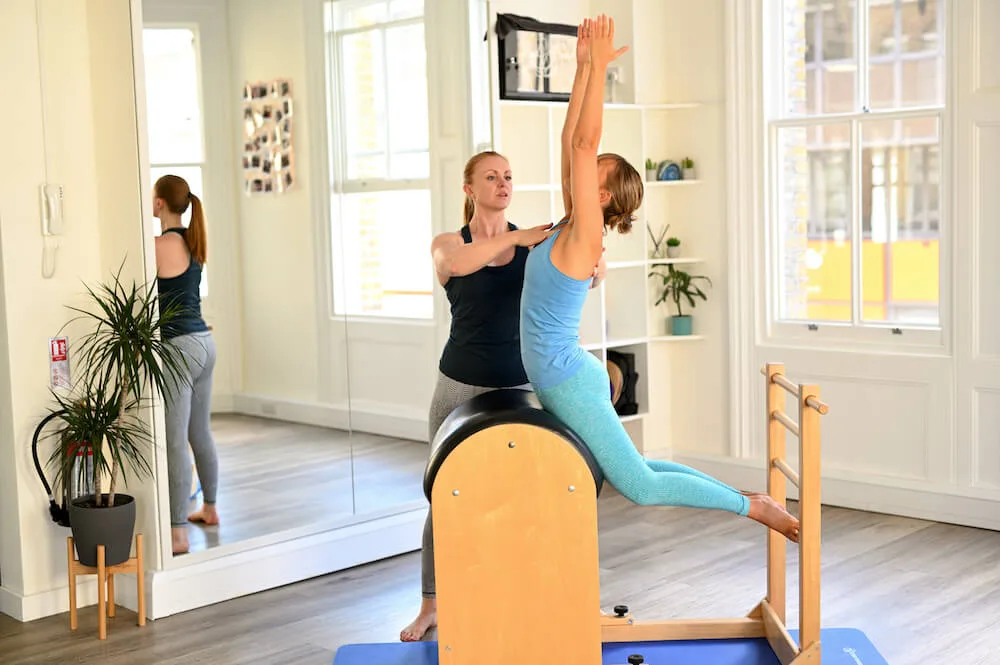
(448, 395)
(188, 420)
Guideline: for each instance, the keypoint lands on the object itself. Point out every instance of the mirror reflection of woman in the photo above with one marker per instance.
(180, 255)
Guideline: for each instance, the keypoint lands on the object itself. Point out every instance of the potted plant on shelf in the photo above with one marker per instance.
(679, 285)
(673, 248)
(687, 169)
(121, 358)
(650, 170)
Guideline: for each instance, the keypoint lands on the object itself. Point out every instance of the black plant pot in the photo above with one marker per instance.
(111, 526)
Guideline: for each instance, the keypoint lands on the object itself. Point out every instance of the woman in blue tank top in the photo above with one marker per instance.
(602, 192)
(481, 268)
(180, 254)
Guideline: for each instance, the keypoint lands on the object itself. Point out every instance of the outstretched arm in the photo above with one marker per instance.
(453, 257)
(573, 109)
(587, 232)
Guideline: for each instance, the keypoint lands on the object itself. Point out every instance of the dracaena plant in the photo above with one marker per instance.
(122, 359)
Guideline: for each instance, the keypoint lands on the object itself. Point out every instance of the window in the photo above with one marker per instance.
(855, 115)
(381, 199)
(173, 111)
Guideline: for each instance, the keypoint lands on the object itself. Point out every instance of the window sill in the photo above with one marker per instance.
(927, 342)
(386, 320)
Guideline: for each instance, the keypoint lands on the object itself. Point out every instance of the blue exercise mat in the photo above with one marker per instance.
(841, 646)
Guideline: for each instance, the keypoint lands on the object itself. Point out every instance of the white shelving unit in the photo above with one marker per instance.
(620, 315)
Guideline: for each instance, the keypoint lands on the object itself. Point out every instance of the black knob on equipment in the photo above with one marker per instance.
(635, 659)
(621, 610)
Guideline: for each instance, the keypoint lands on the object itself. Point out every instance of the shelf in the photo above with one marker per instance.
(675, 338)
(615, 265)
(617, 343)
(628, 419)
(671, 183)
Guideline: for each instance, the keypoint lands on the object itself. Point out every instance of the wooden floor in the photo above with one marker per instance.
(275, 476)
(925, 593)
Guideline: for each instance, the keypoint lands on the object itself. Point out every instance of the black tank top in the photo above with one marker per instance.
(183, 292)
(484, 345)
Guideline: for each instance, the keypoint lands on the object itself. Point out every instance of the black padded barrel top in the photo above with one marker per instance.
(500, 407)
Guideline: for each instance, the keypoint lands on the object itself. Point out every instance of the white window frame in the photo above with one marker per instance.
(905, 337)
(340, 184)
(202, 165)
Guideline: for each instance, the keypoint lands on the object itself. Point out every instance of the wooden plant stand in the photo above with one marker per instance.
(105, 584)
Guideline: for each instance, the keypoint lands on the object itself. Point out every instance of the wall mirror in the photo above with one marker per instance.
(320, 303)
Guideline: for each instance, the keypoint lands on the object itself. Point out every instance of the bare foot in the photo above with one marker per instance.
(207, 515)
(768, 512)
(426, 620)
(179, 538)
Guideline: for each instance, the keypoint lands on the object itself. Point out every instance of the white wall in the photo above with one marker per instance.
(276, 232)
(85, 85)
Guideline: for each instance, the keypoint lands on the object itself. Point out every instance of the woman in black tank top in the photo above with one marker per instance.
(180, 254)
(481, 268)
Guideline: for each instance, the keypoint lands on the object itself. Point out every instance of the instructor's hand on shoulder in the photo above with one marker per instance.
(602, 41)
(533, 236)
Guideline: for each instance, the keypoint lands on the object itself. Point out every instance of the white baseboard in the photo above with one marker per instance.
(223, 403)
(47, 603)
(370, 417)
(216, 580)
(929, 502)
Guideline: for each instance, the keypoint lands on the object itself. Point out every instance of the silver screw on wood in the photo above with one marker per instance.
(454, 492)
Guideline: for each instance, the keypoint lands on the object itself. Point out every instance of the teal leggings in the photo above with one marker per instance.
(583, 403)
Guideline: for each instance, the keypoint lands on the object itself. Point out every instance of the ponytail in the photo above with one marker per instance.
(178, 197)
(196, 240)
(469, 209)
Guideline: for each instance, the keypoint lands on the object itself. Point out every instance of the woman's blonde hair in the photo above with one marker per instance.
(626, 187)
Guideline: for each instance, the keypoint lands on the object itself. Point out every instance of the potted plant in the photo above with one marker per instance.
(673, 248)
(687, 169)
(650, 170)
(679, 285)
(120, 359)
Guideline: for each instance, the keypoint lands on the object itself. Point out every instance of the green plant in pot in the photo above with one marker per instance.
(673, 248)
(121, 359)
(678, 286)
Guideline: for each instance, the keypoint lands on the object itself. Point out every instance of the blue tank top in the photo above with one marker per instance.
(551, 308)
(182, 291)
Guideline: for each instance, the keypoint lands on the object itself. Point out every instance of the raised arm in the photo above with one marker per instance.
(573, 109)
(587, 232)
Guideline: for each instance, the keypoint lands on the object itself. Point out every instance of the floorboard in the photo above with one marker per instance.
(922, 592)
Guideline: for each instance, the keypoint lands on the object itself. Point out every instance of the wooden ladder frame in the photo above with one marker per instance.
(767, 619)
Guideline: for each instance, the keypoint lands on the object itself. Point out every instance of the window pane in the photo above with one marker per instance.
(406, 61)
(882, 86)
(359, 14)
(386, 271)
(921, 30)
(814, 223)
(901, 213)
(906, 54)
(838, 89)
(364, 104)
(922, 82)
(191, 174)
(837, 21)
(402, 9)
(799, 47)
(173, 105)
